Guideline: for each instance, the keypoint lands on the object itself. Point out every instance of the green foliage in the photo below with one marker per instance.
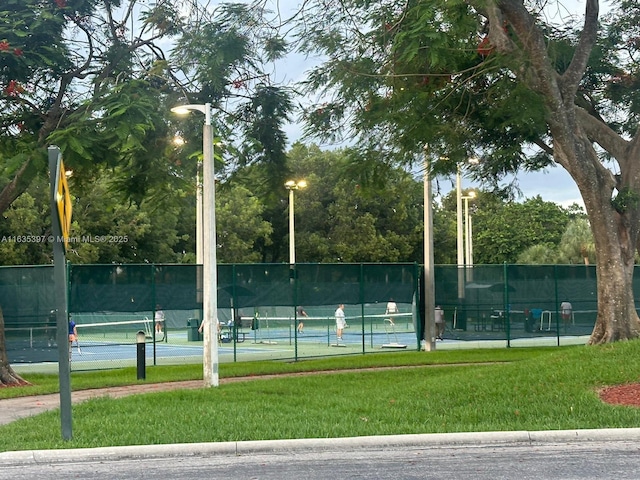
(138, 233)
(540, 254)
(625, 199)
(346, 214)
(24, 227)
(240, 226)
(413, 76)
(577, 245)
(34, 45)
(503, 232)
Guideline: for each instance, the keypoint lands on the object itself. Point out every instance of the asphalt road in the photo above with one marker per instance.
(581, 460)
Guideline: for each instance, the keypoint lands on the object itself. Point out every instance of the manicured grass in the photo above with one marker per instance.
(48, 383)
(527, 389)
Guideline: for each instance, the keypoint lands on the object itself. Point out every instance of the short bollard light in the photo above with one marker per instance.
(140, 341)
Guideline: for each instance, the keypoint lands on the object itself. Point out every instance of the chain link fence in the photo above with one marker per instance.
(271, 311)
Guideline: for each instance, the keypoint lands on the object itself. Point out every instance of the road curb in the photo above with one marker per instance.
(31, 457)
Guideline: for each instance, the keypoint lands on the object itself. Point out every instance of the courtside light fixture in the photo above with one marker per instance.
(293, 185)
(185, 109)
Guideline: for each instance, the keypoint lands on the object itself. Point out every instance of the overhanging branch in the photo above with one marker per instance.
(603, 135)
(574, 74)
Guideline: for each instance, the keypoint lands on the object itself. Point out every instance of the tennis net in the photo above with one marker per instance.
(122, 332)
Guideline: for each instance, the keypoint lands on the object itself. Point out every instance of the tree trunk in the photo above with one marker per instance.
(617, 317)
(615, 235)
(8, 378)
(574, 132)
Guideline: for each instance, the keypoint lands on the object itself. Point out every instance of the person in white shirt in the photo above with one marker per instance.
(159, 318)
(340, 321)
(392, 308)
(566, 311)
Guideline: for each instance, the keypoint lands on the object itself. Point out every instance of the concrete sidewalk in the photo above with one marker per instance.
(339, 445)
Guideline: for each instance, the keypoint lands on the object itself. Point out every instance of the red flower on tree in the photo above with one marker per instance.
(4, 46)
(61, 3)
(17, 52)
(14, 89)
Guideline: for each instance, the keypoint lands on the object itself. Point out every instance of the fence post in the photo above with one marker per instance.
(361, 282)
(506, 307)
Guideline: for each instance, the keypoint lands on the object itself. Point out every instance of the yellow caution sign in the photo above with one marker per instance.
(63, 202)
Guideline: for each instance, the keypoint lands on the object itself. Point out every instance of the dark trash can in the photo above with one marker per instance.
(193, 335)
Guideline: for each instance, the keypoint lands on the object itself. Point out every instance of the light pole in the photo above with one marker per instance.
(468, 262)
(209, 261)
(460, 246)
(292, 185)
(429, 334)
(459, 237)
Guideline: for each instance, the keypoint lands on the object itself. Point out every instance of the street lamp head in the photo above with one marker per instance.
(293, 185)
(185, 109)
(470, 196)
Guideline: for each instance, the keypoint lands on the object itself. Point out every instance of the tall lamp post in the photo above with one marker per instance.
(459, 237)
(293, 185)
(429, 334)
(460, 247)
(209, 261)
(468, 241)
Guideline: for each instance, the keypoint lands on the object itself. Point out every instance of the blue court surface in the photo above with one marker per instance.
(100, 352)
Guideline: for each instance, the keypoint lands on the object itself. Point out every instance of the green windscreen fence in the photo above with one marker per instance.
(257, 311)
(518, 302)
(499, 305)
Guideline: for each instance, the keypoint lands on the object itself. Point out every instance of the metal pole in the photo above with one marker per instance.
(292, 233)
(429, 289)
(62, 319)
(467, 244)
(460, 247)
(141, 356)
(470, 277)
(209, 260)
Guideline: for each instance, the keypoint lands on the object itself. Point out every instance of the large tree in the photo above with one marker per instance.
(499, 80)
(97, 78)
(75, 74)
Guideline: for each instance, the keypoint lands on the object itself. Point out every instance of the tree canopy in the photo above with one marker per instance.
(97, 78)
(500, 81)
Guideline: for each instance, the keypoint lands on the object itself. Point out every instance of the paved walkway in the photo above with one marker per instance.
(12, 409)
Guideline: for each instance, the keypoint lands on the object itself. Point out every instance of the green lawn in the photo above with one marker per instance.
(450, 391)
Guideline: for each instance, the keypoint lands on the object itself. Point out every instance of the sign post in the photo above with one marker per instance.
(61, 224)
